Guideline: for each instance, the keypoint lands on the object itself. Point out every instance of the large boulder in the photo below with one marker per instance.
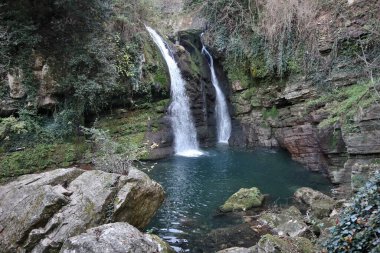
(287, 222)
(243, 199)
(117, 238)
(39, 212)
(320, 204)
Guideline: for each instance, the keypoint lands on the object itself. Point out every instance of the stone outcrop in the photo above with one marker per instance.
(243, 200)
(117, 238)
(48, 208)
(16, 87)
(48, 86)
(46, 94)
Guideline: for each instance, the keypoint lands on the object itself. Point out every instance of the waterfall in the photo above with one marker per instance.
(185, 135)
(223, 120)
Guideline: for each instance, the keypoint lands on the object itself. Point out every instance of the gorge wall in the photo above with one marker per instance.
(310, 119)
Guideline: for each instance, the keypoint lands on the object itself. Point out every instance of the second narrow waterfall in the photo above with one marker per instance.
(223, 120)
(185, 135)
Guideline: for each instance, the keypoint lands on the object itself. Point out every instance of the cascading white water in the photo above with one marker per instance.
(223, 120)
(185, 135)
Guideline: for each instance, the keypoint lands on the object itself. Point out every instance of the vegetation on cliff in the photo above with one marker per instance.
(86, 57)
(274, 39)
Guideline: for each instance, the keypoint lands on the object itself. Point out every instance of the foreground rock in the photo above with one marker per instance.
(275, 244)
(242, 235)
(288, 222)
(39, 212)
(242, 200)
(116, 238)
(320, 204)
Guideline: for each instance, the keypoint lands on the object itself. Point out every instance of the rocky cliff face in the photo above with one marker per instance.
(294, 113)
(16, 97)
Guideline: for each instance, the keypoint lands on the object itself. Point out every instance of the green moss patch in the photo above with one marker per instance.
(343, 103)
(39, 158)
(270, 113)
(129, 129)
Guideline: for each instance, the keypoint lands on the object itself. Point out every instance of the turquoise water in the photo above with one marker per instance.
(196, 187)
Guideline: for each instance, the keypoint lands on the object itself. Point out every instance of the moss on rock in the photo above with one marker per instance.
(39, 158)
(243, 199)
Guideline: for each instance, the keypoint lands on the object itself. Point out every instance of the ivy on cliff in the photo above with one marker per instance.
(358, 229)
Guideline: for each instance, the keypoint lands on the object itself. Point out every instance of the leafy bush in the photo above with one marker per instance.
(359, 226)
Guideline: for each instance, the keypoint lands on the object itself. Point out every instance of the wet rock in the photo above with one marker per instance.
(320, 204)
(288, 222)
(242, 200)
(117, 238)
(50, 207)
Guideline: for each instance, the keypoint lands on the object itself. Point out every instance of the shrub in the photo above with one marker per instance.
(359, 227)
(108, 155)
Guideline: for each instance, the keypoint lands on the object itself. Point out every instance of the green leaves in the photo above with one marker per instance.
(359, 226)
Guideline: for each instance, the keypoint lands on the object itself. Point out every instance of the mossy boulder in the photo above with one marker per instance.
(243, 199)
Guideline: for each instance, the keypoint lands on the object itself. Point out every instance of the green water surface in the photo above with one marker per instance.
(196, 187)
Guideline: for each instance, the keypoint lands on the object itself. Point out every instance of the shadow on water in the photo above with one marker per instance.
(196, 187)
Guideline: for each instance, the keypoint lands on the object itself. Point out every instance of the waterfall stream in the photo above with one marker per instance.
(185, 135)
(223, 120)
